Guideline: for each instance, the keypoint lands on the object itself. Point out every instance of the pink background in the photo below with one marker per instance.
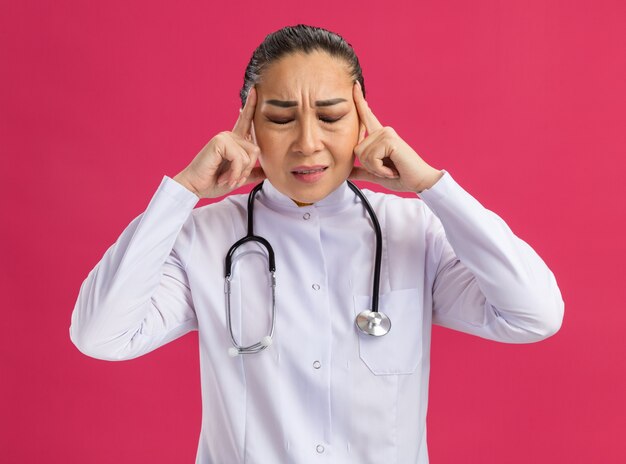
(522, 101)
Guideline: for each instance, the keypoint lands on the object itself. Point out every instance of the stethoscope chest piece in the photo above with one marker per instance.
(373, 323)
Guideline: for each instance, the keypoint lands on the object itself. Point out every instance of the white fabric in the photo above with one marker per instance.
(322, 392)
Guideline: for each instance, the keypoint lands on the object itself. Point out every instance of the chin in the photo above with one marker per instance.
(313, 193)
(303, 192)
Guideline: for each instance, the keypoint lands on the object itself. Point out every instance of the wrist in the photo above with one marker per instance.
(429, 180)
(182, 180)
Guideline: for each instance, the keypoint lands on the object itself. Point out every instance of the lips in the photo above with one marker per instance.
(309, 174)
(308, 169)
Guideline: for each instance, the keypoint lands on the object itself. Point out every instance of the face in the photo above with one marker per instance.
(306, 125)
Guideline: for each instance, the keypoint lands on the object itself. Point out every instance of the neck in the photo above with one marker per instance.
(300, 204)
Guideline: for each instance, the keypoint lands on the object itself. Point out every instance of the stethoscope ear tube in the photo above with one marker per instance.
(266, 341)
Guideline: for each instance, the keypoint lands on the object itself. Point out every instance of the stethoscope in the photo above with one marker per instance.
(370, 322)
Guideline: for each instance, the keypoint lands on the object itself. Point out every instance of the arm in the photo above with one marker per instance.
(137, 297)
(489, 282)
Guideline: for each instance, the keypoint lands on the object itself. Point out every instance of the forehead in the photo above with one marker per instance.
(317, 73)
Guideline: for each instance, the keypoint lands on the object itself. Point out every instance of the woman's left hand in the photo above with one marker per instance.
(385, 158)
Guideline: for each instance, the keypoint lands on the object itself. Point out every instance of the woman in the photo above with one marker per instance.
(319, 388)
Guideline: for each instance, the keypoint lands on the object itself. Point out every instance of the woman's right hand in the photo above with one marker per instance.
(227, 161)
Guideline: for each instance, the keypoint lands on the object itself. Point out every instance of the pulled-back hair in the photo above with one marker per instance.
(293, 39)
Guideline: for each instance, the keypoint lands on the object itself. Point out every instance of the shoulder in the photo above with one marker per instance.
(388, 202)
(223, 215)
(224, 207)
(406, 214)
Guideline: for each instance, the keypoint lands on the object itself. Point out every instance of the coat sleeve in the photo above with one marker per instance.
(137, 298)
(488, 281)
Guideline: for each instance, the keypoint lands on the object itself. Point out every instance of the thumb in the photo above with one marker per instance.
(361, 132)
(256, 175)
(360, 173)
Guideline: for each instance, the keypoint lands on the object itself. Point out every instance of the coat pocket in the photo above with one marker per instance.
(400, 350)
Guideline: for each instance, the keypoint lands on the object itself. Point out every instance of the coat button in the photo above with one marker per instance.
(315, 287)
(317, 365)
(306, 216)
(319, 449)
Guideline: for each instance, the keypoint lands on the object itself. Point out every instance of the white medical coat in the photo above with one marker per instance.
(322, 392)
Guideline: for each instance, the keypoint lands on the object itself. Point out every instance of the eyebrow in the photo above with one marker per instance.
(291, 103)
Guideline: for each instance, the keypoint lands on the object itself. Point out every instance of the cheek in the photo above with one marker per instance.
(351, 129)
(272, 148)
(265, 140)
(346, 138)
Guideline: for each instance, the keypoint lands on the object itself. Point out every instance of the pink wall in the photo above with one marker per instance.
(522, 101)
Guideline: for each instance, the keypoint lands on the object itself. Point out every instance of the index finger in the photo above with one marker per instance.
(244, 121)
(365, 113)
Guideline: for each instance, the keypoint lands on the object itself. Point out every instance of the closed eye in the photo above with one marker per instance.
(279, 122)
(287, 121)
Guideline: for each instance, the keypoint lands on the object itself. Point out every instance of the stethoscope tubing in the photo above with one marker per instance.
(379, 246)
(368, 321)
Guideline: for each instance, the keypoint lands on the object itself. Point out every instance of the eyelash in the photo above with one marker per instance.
(327, 121)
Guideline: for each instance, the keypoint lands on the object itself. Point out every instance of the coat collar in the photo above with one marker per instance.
(340, 198)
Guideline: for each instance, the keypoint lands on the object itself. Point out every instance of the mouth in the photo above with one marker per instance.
(309, 169)
(309, 174)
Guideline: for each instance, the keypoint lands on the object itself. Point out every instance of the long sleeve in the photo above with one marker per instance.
(489, 282)
(137, 298)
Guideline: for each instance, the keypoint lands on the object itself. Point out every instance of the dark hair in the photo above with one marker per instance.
(293, 39)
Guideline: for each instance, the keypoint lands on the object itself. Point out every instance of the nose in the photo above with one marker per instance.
(309, 137)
